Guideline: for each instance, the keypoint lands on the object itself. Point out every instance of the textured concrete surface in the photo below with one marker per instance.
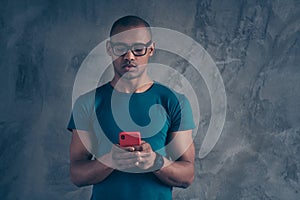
(254, 43)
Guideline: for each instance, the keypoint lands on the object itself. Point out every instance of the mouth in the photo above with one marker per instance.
(128, 67)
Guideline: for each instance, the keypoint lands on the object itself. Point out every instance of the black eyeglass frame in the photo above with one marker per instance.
(130, 47)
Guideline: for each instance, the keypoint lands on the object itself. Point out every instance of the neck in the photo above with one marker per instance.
(136, 85)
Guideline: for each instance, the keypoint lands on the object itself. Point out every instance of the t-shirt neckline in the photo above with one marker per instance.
(133, 93)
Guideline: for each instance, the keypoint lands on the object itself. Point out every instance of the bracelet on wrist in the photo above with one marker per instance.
(158, 163)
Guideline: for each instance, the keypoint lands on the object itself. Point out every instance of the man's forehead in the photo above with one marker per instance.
(131, 35)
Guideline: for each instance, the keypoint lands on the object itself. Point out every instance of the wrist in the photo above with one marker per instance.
(158, 163)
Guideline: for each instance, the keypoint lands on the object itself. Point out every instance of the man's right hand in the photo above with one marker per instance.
(121, 158)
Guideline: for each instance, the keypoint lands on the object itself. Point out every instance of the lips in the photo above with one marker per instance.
(128, 67)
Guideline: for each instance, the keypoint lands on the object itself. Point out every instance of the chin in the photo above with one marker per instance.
(131, 75)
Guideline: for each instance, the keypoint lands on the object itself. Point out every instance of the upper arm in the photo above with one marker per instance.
(181, 146)
(81, 146)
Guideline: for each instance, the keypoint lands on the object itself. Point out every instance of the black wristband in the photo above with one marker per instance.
(158, 163)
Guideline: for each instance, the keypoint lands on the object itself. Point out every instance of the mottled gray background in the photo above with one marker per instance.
(254, 43)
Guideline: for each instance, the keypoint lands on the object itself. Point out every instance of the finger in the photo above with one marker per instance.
(124, 155)
(141, 164)
(131, 159)
(146, 159)
(146, 147)
(121, 165)
(143, 147)
(143, 141)
(139, 147)
(145, 154)
(128, 155)
(130, 148)
(118, 148)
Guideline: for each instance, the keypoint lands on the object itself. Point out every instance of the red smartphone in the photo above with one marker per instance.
(129, 139)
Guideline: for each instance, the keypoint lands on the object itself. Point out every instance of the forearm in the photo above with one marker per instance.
(88, 172)
(177, 174)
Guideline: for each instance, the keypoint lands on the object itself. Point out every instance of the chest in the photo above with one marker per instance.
(148, 116)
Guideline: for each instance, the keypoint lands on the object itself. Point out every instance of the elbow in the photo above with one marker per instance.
(189, 178)
(77, 182)
(75, 179)
(188, 182)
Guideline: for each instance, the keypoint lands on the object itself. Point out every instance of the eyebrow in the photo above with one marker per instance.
(123, 43)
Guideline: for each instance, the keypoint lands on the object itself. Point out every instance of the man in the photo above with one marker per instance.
(165, 158)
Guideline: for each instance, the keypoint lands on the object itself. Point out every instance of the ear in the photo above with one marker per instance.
(151, 49)
(108, 48)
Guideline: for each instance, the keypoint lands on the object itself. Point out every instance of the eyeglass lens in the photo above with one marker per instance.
(137, 49)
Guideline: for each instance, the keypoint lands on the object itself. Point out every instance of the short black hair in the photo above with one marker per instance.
(129, 21)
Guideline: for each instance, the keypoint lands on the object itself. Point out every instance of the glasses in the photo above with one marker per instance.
(138, 49)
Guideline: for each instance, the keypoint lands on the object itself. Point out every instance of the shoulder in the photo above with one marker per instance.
(89, 97)
(163, 89)
(167, 92)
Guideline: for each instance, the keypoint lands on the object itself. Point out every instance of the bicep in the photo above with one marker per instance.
(181, 146)
(81, 146)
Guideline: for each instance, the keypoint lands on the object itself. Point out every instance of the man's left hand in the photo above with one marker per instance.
(145, 156)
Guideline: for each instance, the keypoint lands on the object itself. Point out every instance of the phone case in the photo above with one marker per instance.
(129, 139)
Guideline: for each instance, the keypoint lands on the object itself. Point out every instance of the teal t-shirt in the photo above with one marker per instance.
(155, 113)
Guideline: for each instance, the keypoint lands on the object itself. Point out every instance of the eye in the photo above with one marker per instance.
(120, 48)
(139, 48)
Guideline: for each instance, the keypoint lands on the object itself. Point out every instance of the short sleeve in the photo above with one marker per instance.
(80, 117)
(181, 115)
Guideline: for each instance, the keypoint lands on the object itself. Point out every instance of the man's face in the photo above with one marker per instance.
(129, 65)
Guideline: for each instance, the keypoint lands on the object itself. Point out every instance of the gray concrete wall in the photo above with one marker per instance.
(254, 43)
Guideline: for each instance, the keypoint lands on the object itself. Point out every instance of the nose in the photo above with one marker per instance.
(129, 55)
